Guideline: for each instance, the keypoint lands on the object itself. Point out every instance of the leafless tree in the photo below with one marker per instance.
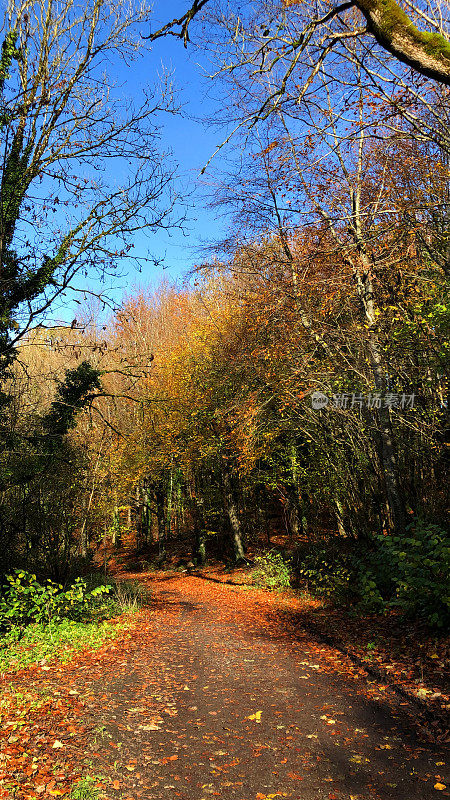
(415, 33)
(81, 172)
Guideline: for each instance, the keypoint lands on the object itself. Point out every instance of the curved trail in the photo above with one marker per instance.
(214, 692)
(218, 697)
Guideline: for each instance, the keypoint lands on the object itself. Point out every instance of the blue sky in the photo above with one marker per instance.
(192, 144)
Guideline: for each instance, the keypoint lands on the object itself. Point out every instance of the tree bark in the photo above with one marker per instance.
(425, 52)
(388, 454)
(161, 520)
(232, 511)
(339, 513)
(198, 520)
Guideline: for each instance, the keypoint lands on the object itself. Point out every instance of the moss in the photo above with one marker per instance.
(435, 45)
(394, 20)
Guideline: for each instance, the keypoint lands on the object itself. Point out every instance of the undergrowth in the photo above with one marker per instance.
(409, 574)
(272, 571)
(47, 622)
(57, 642)
(86, 789)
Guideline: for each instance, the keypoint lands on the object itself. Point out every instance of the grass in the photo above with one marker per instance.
(56, 642)
(86, 789)
(59, 641)
(127, 596)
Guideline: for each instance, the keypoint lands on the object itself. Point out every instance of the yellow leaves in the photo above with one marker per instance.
(357, 759)
(440, 786)
(57, 744)
(261, 796)
(256, 717)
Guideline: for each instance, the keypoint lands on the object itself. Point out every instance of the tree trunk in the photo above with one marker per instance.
(161, 519)
(170, 504)
(232, 511)
(339, 512)
(293, 514)
(198, 520)
(115, 538)
(388, 456)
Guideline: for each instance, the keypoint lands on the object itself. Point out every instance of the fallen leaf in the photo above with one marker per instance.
(359, 760)
(440, 786)
(256, 716)
(57, 744)
(167, 759)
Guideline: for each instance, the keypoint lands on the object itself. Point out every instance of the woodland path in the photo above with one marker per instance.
(215, 693)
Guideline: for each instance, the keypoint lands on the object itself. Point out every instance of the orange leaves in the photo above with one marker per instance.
(167, 759)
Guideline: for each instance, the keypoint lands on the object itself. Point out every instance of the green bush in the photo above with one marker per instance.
(325, 570)
(420, 568)
(272, 571)
(410, 572)
(25, 600)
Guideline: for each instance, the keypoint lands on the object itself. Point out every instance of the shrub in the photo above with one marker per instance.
(420, 565)
(272, 571)
(409, 572)
(325, 570)
(25, 600)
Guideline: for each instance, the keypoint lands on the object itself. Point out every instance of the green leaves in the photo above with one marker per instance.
(26, 600)
(420, 563)
(72, 394)
(272, 571)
